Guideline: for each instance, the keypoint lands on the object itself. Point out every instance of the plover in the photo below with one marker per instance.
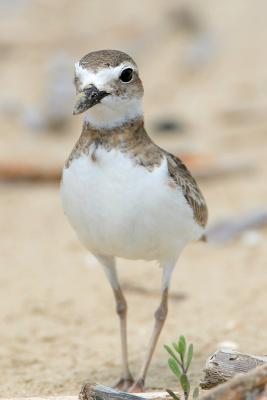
(124, 195)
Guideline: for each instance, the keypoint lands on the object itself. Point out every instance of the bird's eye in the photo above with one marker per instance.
(126, 75)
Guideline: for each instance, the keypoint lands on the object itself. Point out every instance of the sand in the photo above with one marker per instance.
(58, 325)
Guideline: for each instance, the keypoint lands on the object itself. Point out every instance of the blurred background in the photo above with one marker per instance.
(203, 65)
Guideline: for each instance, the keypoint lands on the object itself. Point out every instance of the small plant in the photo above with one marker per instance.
(179, 363)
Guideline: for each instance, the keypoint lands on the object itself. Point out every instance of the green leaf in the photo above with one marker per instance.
(195, 393)
(170, 351)
(182, 346)
(189, 356)
(173, 395)
(185, 384)
(175, 346)
(174, 367)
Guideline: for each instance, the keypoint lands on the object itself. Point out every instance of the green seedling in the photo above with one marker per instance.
(179, 363)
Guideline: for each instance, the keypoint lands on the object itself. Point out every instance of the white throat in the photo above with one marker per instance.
(111, 113)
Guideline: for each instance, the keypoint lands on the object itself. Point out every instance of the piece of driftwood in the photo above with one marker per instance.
(222, 232)
(43, 398)
(248, 386)
(201, 166)
(93, 391)
(207, 167)
(216, 171)
(223, 365)
(122, 395)
(21, 171)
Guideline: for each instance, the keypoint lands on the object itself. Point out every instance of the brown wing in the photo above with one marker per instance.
(182, 177)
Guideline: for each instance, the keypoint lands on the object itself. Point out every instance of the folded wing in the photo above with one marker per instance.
(180, 176)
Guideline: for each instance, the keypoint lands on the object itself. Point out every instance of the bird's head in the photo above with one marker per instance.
(108, 89)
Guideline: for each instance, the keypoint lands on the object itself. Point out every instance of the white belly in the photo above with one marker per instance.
(121, 209)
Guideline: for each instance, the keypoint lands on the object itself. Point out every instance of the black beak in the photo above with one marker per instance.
(87, 98)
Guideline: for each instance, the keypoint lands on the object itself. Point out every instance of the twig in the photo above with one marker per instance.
(92, 391)
(230, 228)
(21, 171)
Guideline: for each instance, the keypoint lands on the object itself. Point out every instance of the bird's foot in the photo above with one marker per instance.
(138, 386)
(124, 384)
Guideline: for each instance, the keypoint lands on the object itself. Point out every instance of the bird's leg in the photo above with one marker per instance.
(126, 379)
(160, 317)
(121, 306)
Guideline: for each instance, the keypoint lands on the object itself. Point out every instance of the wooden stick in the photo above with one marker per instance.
(223, 365)
(22, 171)
(231, 228)
(139, 396)
(146, 396)
(200, 165)
(242, 387)
(214, 171)
(92, 391)
(43, 398)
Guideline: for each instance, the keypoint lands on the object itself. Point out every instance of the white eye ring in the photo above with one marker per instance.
(126, 75)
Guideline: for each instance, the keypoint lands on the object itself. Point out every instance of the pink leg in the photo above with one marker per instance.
(108, 263)
(126, 379)
(160, 317)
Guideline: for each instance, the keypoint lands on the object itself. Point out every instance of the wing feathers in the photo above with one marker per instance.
(182, 177)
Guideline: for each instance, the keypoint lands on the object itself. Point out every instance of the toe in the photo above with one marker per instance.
(124, 384)
(138, 386)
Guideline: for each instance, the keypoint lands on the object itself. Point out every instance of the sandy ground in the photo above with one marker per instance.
(58, 325)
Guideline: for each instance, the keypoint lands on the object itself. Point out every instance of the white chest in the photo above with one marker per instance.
(121, 209)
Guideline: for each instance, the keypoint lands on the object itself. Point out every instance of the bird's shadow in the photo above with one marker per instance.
(131, 288)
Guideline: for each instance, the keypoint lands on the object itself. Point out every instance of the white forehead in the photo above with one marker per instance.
(101, 77)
